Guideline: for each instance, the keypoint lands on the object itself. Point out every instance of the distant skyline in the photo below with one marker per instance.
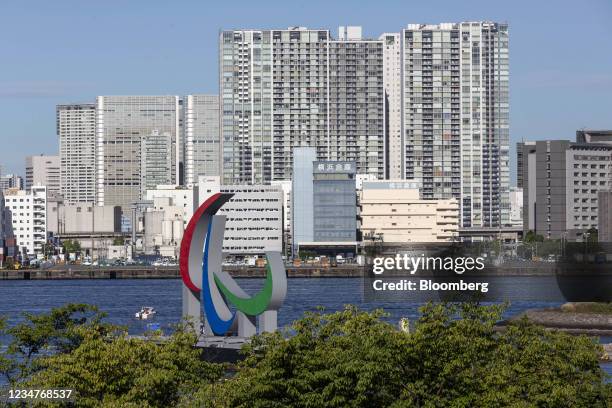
(66, 52)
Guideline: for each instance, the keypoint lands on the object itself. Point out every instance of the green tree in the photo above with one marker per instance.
(71, 246)
(123, 371)
(454, 357)
(531, 237)
(52, 332)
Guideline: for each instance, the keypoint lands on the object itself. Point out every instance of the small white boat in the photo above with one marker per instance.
(145, 313)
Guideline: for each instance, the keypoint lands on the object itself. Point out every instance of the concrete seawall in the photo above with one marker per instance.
(129, 272)
(307, 271)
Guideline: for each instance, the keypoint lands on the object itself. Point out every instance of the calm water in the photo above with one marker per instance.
(122, 298)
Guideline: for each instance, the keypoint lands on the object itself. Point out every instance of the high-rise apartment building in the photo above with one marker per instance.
(202, 144)
(282, 89)
(455, 116)
(76, 131)
(138, 146)
(43, 170)
(392, 79)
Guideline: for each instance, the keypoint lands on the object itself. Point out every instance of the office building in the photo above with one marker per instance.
(561, 183)
(43, 170)
(11, 181)
(394, 212)
(76, 132)
(202, 144)
(138, 146)
(28, 218)
(594, 136)
(282, 89)
(392, 80)
(604, 216)
(254, 223)
(455, 116)
(323, 199)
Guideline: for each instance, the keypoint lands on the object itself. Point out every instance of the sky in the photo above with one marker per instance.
(64, 51)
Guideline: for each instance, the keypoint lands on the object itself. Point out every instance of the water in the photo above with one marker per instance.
(120, 299)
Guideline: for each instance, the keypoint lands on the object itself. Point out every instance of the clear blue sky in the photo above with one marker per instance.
(67, 51)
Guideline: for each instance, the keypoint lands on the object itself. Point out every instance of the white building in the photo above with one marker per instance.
(516, 206)
(285, 185)
(163, 228)
(254, 216)
(28, 215)
(43, 170)
(181, 197)
(76, 131)
(392, 80)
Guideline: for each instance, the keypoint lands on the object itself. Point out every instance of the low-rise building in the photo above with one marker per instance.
(254, 222)
(163, 228)
(180, 196)
(28, 217)
(394, 212)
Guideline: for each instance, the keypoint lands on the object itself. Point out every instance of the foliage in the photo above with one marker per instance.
(46, 333)
(125, 371)
(592, 235)
(531, 237)
(453, 358)
(71, 246)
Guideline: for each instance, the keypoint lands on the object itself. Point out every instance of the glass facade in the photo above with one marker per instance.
(334, 201)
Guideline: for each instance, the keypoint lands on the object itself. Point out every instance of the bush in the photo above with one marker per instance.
(453, 358)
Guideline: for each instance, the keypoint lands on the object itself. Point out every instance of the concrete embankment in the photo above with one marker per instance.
(150, 272)
(592, 324)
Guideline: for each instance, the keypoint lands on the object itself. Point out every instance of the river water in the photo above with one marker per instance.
(120, 299)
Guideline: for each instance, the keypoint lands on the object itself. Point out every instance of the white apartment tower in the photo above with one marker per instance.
(76, 131)
(43, 170)
(455, 116)
(202, 145)
(28, 216)
(282, 89)
(392, 79)
(138, 146)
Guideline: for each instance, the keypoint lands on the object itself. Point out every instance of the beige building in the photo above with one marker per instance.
(396, 210)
